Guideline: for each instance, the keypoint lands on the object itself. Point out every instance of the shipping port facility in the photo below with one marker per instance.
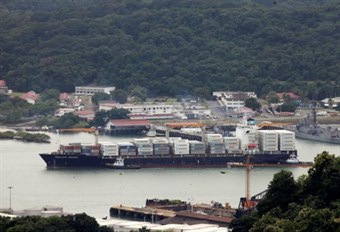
(258, 145)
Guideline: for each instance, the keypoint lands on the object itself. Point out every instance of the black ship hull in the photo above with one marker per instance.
(169, 161)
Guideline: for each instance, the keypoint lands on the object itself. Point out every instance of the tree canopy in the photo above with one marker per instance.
(311, 203)
(69, 223)
(172, 47)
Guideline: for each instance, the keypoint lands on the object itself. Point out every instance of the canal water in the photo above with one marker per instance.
(93, 191)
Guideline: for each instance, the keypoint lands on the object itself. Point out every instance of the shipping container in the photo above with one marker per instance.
(213, 138)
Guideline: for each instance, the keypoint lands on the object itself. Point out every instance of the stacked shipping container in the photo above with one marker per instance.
(232, 144)
(144, 146)
(127, 149)
(215, 143)
(180, 147)
(161, 147)
(109, 148)
(268, 140)
(286, 140)
(197, 148)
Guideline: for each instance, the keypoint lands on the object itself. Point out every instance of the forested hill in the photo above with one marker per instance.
(172, 47)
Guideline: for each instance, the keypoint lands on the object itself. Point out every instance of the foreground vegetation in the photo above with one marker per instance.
(69, 223)
(172, 47)
(311, 203)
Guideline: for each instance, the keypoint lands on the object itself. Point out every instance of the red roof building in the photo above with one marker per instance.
(2, 83)
(63, 96)
(3, 86)
(107, 105)
(30, 97)
(291, 95)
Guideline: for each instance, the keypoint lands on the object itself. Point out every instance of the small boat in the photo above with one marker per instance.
(120, 164)
(151, 133)
(292, 160)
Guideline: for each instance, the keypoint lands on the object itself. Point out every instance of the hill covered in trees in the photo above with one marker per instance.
(172, 47)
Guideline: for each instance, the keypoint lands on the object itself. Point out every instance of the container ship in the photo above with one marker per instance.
(249, 144)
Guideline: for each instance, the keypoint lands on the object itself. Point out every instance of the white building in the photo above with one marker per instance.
(335, 102)
(107, 105)
(91, 90)
(233, 100)
(148, 111)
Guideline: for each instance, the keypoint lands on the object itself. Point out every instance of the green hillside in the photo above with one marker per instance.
(172, 47)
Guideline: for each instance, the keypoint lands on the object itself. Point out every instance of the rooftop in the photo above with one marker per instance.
(130, 122)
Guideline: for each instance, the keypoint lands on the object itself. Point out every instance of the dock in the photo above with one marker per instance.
(141, 214)
(161, 216)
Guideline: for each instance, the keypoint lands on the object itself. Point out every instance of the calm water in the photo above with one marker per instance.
(93, 191)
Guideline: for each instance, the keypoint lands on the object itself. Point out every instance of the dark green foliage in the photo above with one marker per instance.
(14, 108)
(37, 137)
(272, 97)
(253, 104)
(119, 96)
(286, 107)
(66, 121)
(281, 191)
(310, 204)
(144, 229)
(100, 97)
(171, 47)
(7, 135)
(244, 223)
(138, 93)
(44, 107)
(118, 114)
(102, 117)
(324, 178)
(28, 137)
(3, 98)
(49, 94)
(69, 223)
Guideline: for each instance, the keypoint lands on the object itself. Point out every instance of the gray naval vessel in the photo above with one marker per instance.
(309, 129)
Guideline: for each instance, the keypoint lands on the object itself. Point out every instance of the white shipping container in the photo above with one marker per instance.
(141, 141)
(213, 136)
(145, 149)
(106, 153)
(181, 152)
(159, 140)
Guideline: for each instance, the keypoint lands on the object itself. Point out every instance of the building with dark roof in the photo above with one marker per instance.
(127, 126)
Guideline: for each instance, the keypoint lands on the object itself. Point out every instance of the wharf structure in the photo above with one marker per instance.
(196, 214)
(127, 126)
